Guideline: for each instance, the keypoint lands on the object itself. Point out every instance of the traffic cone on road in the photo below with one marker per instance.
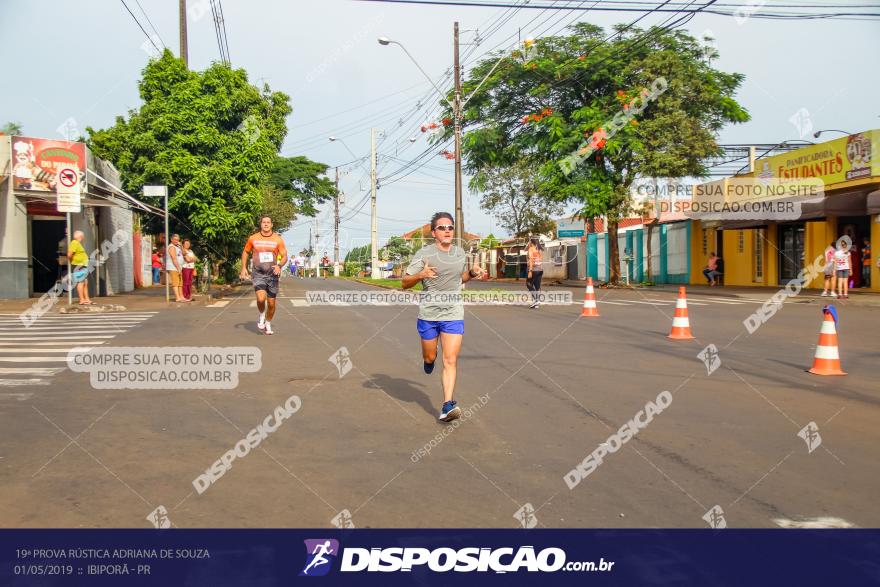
(827, 359)
(681, 326)
(590, 308)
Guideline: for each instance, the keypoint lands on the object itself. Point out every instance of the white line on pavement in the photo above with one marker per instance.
(19, 382)
(19, 396)
(820, 522)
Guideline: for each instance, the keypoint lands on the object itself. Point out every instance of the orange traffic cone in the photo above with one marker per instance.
(681, 325)
(590, 308)
(827, 359)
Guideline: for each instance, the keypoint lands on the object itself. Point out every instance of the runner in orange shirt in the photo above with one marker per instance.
(267, 247)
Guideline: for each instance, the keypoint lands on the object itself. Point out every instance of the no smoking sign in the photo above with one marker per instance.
(68, 178)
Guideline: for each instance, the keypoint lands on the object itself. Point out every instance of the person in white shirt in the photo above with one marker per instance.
(829, 271)
(843, 265)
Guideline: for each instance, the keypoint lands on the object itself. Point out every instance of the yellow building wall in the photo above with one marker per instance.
(738, 266)
(875, 252)
(817, 236)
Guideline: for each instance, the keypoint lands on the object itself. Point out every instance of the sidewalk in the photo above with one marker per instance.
(857, 297)
(141, 299)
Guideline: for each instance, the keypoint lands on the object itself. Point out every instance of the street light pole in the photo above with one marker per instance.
(456, 112)
(374, 245)
(336, 222)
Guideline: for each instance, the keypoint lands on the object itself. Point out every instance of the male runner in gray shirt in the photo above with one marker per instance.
(441, 268)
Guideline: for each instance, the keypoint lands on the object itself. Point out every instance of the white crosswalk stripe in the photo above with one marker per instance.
(671, 302)
(31, 356)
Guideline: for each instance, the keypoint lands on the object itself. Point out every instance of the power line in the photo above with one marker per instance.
(149, 38)
(152, 26)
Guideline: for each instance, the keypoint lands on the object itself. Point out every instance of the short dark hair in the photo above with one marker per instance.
(437, 216)
(266, 216)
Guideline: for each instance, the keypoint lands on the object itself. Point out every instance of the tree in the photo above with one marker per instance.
(11, 128)
(301, 182)
(512, 195)
(396, 249)
(490, 242)
(597, 113)
(211, 137)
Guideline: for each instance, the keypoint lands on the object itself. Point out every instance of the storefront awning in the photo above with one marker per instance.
(85, 200)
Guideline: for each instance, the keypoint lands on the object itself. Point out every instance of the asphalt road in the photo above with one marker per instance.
(555, 387)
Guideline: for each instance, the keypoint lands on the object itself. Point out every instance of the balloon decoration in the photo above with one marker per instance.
(448, 154)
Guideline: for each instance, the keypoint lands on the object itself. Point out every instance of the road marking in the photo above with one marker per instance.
(253, 304)
(63, 350)
(33, 359)
(19, 396)
(3, 342)
(299, 302)
(61, 330)
(605, 302)
(820, 522)
(59, 338)
(219, 304)
(45, 372)
(18, 382)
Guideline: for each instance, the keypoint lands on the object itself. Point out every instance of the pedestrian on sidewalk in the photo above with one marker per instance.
(441, 267)
(843, 265)
(325, 265)
(173, 268)
(711, 271)
(79, 263)
(866, 262)
(189, 268)
(830, 279)
(534, 257)
(157, 266)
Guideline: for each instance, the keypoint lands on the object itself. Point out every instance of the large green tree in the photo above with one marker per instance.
(596, 112)
(211, 137)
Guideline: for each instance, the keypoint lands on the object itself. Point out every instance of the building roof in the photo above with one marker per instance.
(599, 224)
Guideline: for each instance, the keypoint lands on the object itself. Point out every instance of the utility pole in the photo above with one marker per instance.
(374, 245)
(336, 222)
(456, 106)
(183, 49)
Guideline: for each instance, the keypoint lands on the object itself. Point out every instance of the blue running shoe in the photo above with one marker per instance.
(429, 368)
(449, 412)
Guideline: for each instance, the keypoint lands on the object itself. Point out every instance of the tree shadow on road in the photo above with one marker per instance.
(400, 389)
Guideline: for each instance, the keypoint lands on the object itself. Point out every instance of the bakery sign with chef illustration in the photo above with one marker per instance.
(36, 163)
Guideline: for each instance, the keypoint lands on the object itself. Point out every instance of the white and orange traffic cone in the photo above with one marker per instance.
(681, 325)
(590, 308)
(827, 358)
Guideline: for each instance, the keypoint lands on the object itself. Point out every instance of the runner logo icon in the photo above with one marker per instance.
(320, 555)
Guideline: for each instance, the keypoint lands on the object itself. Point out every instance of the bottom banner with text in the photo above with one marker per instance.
(438, 557)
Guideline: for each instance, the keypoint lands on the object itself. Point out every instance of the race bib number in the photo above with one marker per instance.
(267, 257)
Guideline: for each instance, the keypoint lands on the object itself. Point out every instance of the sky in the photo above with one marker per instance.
(801, 76)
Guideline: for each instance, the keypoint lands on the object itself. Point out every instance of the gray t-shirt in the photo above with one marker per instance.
(449, 266)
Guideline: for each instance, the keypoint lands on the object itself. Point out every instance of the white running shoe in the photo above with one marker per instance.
(261, 323)
(268, 329)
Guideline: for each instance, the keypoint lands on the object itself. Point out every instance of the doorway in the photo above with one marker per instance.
(791, 251)
(857, 228)
(47, 246)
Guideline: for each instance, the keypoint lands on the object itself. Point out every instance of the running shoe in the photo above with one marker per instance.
(833, 294)
(449, 412)
(268, 329)
(261, 323)
(429, 368)
(824, 294)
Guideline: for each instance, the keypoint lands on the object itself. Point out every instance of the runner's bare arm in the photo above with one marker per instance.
(244, 259)
(282, 252)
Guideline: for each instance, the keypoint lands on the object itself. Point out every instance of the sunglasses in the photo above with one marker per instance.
(444, 227)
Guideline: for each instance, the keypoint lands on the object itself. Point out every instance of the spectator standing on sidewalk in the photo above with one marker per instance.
(711, 271)
(157, 266)
(830, 279)
(325, 265)
(189, 268)
(173, 268)
(866, 262)
(79, 263)
(843, 265)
